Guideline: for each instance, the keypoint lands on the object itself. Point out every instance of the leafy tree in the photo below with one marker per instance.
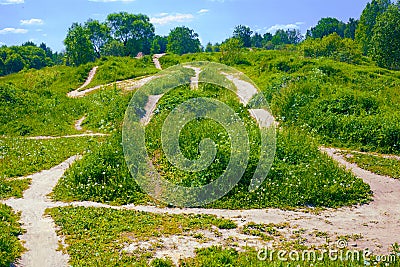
(79, 48)
(290, 36)
(114, 48)
(155, 47)
(350, 30)
(159, 44)
(231, 51)
(243, 33)
(183, 40)
(29, 43)
(333, 46)
(327, 26)
(134, 31)
(209, 47)
(386, 39)
(99, 35)
(14, 63)
(367, 22)
(257, 40)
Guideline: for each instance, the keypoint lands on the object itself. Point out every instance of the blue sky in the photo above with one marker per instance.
(48, 21)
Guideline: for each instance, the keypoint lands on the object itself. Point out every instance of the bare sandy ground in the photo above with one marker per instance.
(156, 60)
(40, 238)
(90, 77)
(194, 81)
(78, 123)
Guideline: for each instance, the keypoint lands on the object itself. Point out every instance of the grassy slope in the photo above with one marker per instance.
(34, 103)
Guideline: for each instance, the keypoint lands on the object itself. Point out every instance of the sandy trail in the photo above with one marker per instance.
(40, 238)
(78, 123)
(194, 81)
(376, 221)
(127, 85)
(245, 90)
(90, 77)
(156, 60)
(149, 108)
(66, 136)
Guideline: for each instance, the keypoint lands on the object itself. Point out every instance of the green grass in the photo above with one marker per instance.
(375, 163)
(13, 188)
(300, 176)
(345, 105)
(21, 157)
(112, 69)
(10, 229)
(218, 256)
(35, 102)
(97, 236)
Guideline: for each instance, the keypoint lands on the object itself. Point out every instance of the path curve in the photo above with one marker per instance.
(156, 60)
(376, 222)
(89, 79)
(40, 237)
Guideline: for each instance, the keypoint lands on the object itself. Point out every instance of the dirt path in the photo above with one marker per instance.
(40, 238)
(376, 222)
(245, 90)
(66, 136)
(194, 81)
(127, 85)
(78, 123)
(156, 60)
(90, 77)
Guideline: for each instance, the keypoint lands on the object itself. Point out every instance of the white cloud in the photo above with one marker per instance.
(276, 27)
(32, 22)
(166, 19)
(108, 1)
(13, 30)
(11, 2)
(203, 11)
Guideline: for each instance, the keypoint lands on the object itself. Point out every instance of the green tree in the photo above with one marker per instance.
(367, 22)
(79, 48)
(257, 40)
(386, 39)
(209, 47)
(183, 40)
(134, 31)
(159, 44)
(14, 63)
(155, 47)
(243, 33)
(99, 35)
(231, 51)
(350, 30)
(114, 48)
(327, 26)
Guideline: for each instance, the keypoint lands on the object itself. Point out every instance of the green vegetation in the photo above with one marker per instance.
(21, 157)
(35, 102)
(218, 256)
(375, 163)
(112, 69)
(183, 40)
(301, 175)
(98, 236)
(10, 229)
(28, 56)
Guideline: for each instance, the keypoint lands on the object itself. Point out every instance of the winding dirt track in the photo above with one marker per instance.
(378, 222)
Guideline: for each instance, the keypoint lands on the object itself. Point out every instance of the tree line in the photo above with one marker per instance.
(375, 34)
